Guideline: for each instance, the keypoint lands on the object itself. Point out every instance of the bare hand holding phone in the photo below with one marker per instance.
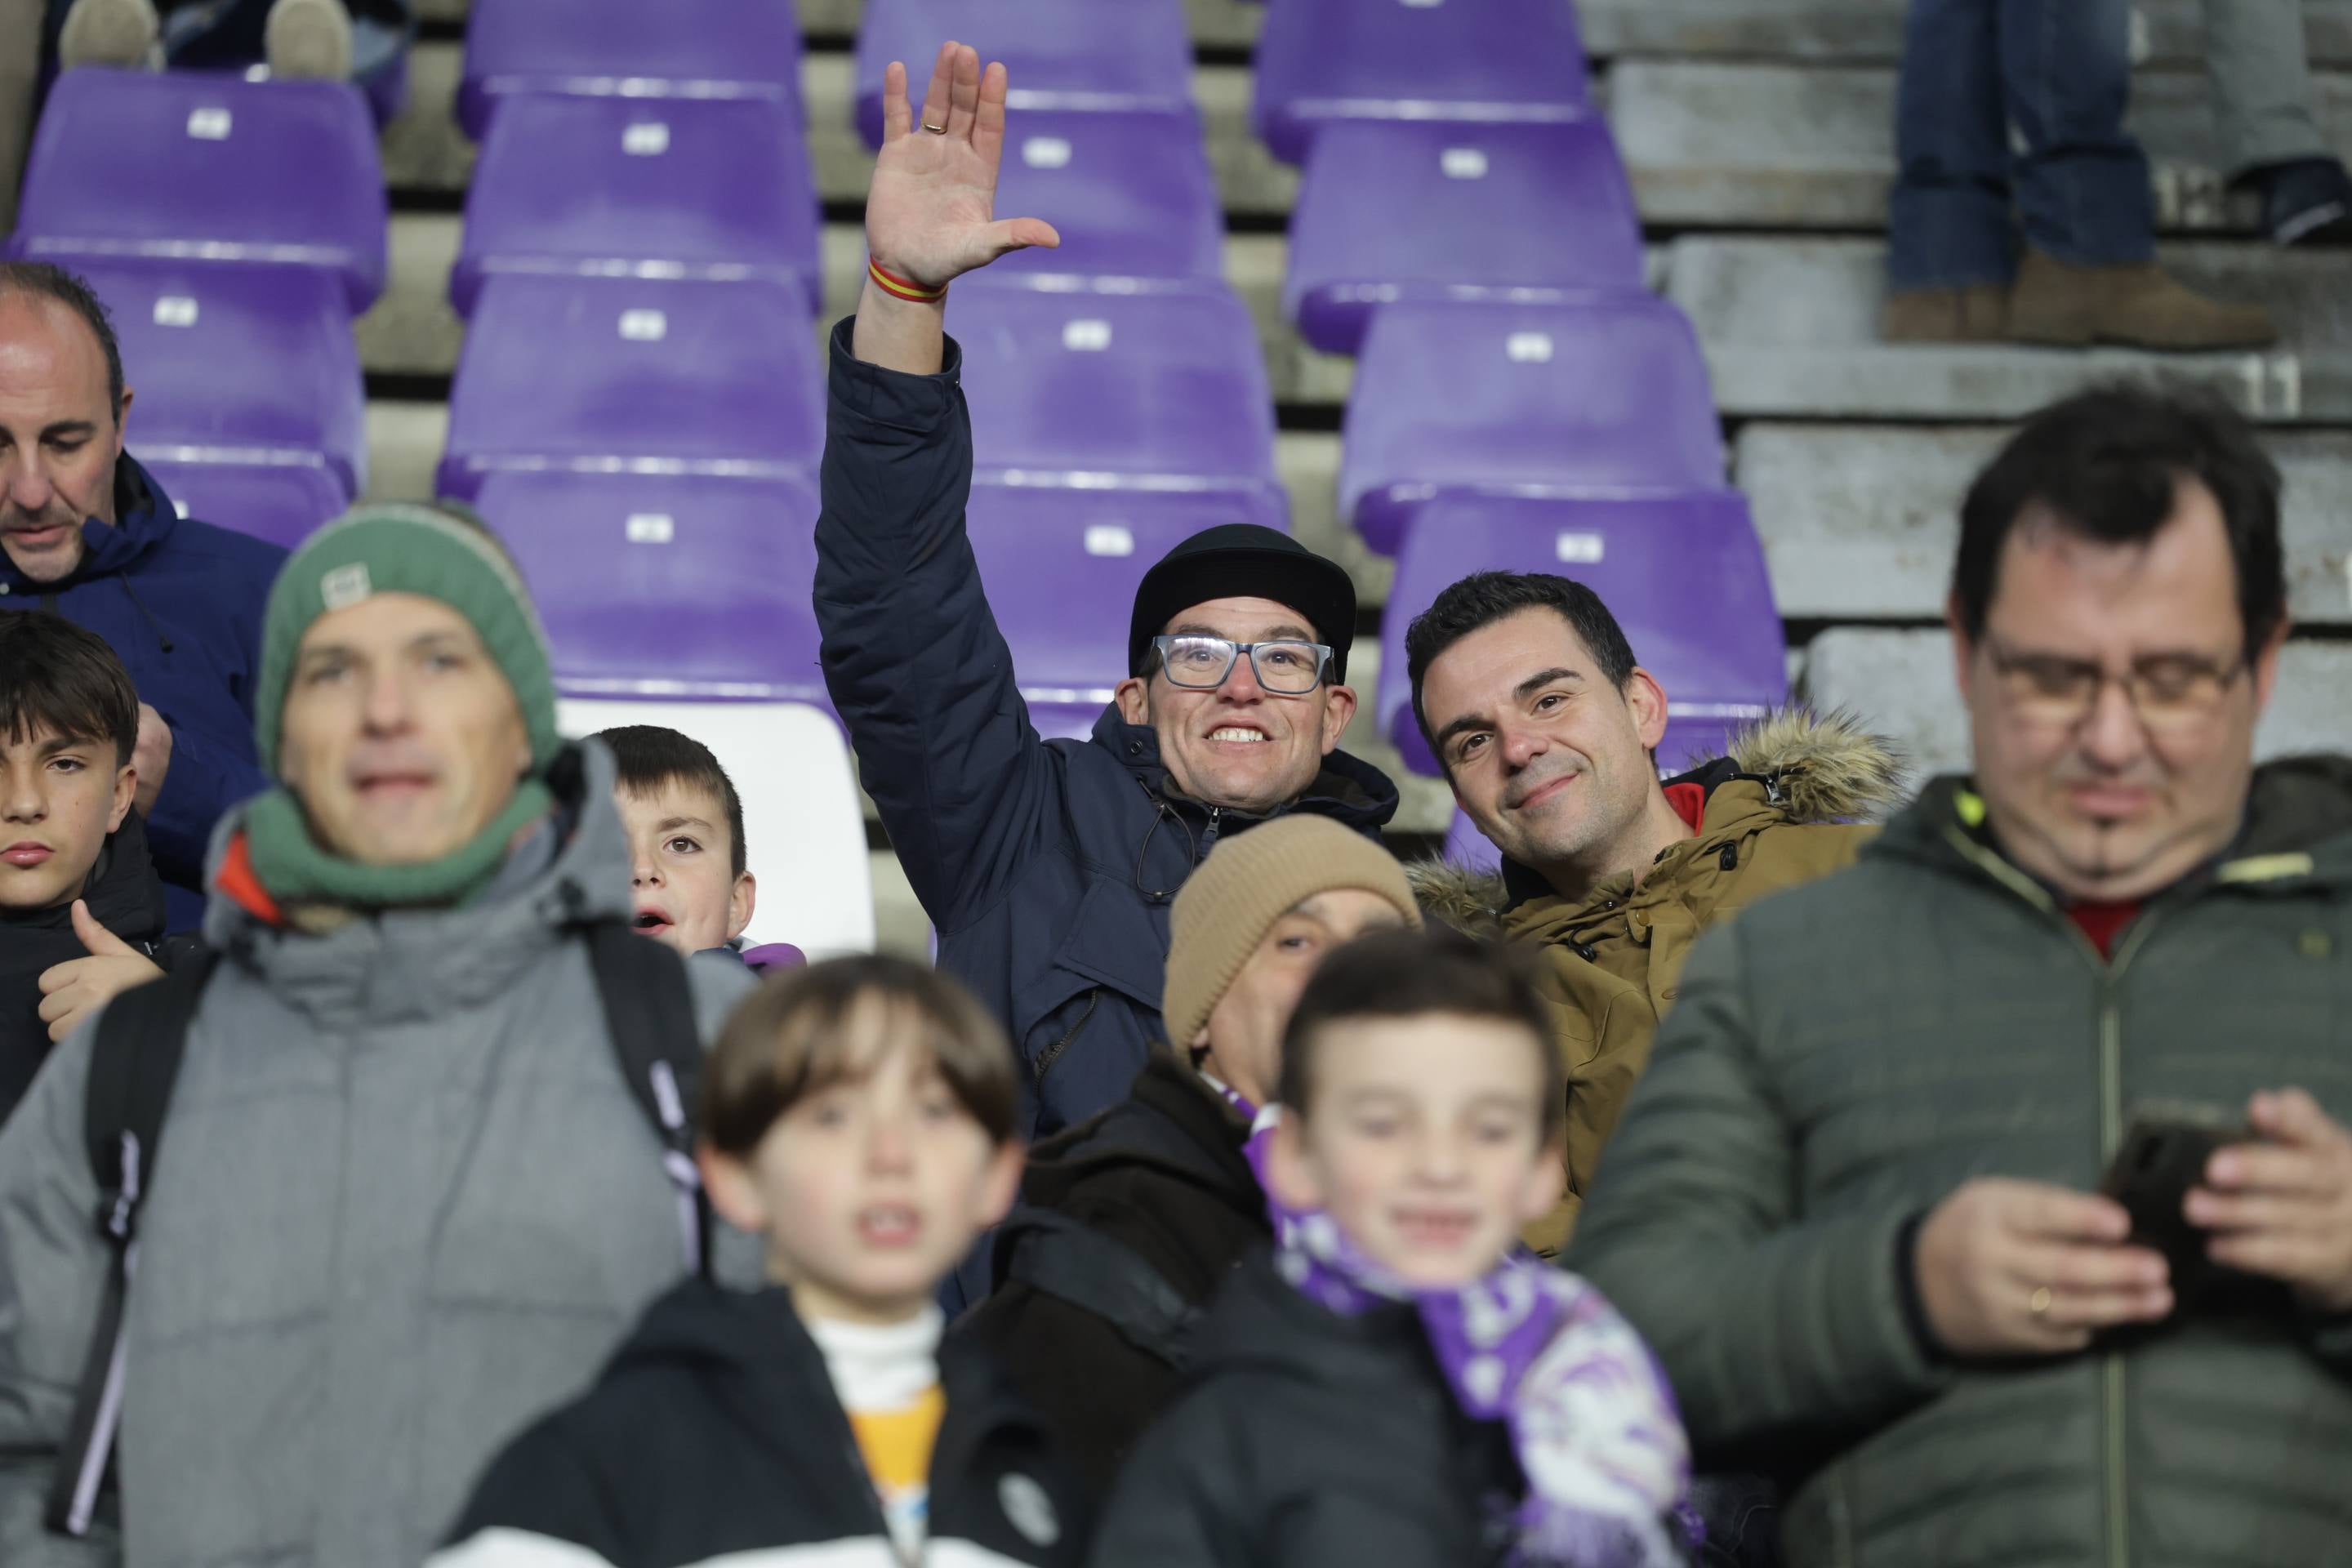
(2282, 1207)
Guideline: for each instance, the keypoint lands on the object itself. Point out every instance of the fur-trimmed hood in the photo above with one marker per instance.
(1816, 767)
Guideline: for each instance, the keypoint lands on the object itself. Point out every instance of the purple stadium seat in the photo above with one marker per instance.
(1061, 54)
(1466, 845)
(281, 502)
(1485, 61)
(1161, 390)
(1684, 575)
(668, 585)
(629, 375)
(1393, 211)
(251, 365)
(1132, 195)
(627, 48)
(1061, 568)
(1606, 394)
(185, 166)
(610, 187)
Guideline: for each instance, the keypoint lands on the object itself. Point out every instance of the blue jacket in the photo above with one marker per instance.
(182, 602)
(1047, 866)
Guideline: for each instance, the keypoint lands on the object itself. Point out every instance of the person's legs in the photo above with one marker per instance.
(120, 33)
(2083, 187)
(2270, 137)
(1948, 214)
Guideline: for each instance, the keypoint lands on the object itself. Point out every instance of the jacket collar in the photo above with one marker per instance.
(122, 891)
(145, 518)
(1348, 790)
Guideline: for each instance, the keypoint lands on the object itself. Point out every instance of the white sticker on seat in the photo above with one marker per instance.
(1463, 164)
(180, 509)
(651, 528)
(209, 124)
(1109, 539)
(1529, 348)
(643, 326)
(1086, 337)
(646, 139)
(1422, 5)
(175, 311)
(1047, 153)
(1577, 548)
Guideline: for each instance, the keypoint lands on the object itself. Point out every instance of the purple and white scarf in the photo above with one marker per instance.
(1592, 1420)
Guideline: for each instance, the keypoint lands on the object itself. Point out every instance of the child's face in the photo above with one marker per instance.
(680, 867)
(871, 1190)
(59, 798)
(1425, 1142)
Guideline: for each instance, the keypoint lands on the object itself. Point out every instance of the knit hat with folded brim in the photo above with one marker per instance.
(1248, 882)
(435, 552)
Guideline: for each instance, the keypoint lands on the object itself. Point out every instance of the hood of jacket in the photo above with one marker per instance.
(2297, 827)
(1172, 1123)
(143, 519)
(1348, 790)
(1798, 767)
(429, 962)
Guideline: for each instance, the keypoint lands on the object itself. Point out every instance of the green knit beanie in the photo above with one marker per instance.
(425, 551)
(435, 553)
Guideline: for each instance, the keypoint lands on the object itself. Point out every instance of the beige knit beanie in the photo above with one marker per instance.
(1248, 882)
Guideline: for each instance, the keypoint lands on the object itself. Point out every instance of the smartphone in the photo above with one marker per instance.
(2164, 1153)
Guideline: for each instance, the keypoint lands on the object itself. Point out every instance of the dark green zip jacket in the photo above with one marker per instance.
(1846, 1055)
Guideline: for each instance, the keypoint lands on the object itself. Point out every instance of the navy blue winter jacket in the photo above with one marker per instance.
(1047, 866)
(180, 602)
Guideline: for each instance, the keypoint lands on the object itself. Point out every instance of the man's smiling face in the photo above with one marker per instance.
(1239, 745)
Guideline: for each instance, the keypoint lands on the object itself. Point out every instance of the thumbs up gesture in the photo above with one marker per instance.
(73, 990)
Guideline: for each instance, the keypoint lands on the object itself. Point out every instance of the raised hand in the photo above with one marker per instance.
(72, 991)
(930, 213)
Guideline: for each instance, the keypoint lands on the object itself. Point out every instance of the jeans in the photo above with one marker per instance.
(2058, 73)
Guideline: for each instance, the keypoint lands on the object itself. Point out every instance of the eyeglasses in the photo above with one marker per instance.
(1204, 663)
(2170, 691)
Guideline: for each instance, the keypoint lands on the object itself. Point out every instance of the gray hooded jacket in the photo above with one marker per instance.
(405, 1205)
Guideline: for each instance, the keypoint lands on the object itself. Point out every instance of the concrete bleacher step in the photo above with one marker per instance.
(1871, 31)
(1791, 328)
(1813, 146)
(1901, 682)
(1861, 520)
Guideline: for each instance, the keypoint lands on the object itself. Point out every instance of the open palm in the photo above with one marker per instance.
(930, 213)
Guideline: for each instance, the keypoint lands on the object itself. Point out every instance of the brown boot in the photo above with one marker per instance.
(1975, 314)
(2138, 307)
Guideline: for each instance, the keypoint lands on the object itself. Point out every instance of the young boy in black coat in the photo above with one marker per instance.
(1400, 1383)
(81, 906)
(858, 1116)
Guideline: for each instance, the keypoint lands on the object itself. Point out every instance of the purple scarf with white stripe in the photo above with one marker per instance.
(1592, 1421)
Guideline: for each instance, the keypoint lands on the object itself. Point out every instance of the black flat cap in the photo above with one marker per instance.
(1245, 560)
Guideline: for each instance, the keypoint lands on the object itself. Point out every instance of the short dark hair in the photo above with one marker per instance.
(651, 756)
(2108, 463)
(1481, 599)
(59, 676)
(790, 1039)
(1404, 973)
(47, 281)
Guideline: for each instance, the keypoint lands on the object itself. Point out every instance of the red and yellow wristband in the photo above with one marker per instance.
(900, 287)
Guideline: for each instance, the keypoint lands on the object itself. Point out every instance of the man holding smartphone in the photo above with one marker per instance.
(1856, 1202)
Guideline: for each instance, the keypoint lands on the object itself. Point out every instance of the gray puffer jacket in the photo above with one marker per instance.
(405, 1205)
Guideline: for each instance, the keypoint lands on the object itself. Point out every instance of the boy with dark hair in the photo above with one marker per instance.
(81, 909)
(1400, 1383)
(857, 1115)
(688, 867)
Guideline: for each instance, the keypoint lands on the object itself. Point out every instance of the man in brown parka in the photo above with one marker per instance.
(1548, 729)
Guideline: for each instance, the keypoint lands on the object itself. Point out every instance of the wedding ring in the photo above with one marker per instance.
(935, 130)
(2039, 1302)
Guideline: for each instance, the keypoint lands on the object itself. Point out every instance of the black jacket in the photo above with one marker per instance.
(1047, 866)
(716, 1430)
(1128, 1226)
(1310, 1440)
(125, 896)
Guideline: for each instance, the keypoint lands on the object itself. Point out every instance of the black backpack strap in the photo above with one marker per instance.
(1058, 1257)
(649, 1012)
(134, 1060)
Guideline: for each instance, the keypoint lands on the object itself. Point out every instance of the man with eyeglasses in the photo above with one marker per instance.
(1856, 1205)
(1047, 867)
